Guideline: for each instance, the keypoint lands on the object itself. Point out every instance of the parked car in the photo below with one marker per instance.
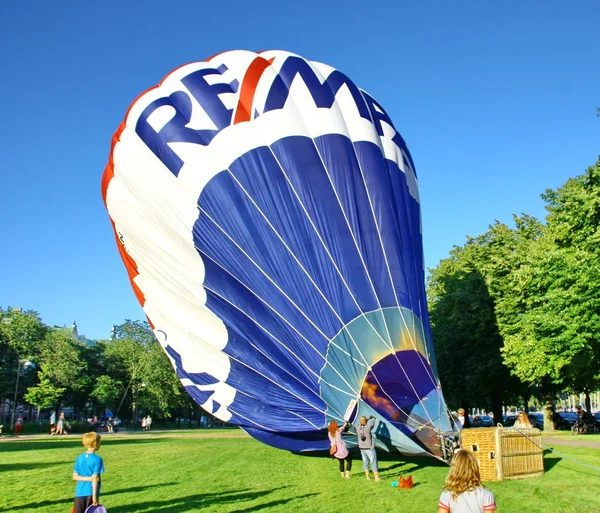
(509, 420)
(536, 419)
(569, 417)
(482, 421)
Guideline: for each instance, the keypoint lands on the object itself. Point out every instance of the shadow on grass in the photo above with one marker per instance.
(581, 470)
(67, 501)
(12, 467)
(203, 500)
(550, 463)
(395, 471)
(273, 504)
(72, 441)
(390, 464)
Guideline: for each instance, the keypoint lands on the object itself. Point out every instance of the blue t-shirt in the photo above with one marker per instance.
(87, 465)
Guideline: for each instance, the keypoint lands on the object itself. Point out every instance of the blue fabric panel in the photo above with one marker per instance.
(342, 163)
(385, 211)
(302, 159)
(270, 408)
(277, 418)
(412, 254)
(408, 221)
(252, 386)
(297, 442)
(262, 178)
(211, 242)
(265, 367)
(234, 214)
(299, 358)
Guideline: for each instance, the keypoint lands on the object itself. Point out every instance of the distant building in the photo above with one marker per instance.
(73, 333)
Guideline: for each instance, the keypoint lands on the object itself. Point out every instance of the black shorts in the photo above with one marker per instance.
(82, 503)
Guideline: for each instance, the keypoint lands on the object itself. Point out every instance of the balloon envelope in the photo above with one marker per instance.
(268, 215)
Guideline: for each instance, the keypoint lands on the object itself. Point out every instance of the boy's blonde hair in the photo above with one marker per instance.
(91, 440)
(464, 473)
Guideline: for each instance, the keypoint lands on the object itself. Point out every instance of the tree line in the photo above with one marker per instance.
(127, 375)
(515, 312)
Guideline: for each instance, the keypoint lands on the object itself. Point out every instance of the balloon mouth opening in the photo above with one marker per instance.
(397, 387)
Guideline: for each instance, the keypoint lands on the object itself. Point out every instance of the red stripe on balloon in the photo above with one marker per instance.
(249, 84)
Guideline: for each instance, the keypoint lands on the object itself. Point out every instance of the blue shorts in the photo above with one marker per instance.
(369, 455)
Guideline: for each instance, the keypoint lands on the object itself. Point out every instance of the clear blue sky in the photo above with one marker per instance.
(496, 101)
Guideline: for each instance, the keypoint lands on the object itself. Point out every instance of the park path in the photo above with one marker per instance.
(556, 440)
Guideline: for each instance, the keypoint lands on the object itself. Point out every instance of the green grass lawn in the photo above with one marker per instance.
(187, 472)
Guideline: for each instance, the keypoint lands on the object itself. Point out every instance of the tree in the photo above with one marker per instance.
(556, 339)
(107, 391)
(22, 331)
(136, 359)
(464, 331)
(21, 334)
(62, 364)
(465, 292)
(44, 394)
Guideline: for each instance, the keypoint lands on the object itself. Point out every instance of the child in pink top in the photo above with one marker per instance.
(341, 452)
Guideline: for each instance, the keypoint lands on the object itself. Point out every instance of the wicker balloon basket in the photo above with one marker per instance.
(505, 453)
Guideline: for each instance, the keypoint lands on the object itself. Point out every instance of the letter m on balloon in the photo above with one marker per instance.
(323, 94)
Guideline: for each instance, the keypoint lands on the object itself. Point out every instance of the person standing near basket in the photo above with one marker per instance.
(522, 421)
(366, 444)
(339, 449)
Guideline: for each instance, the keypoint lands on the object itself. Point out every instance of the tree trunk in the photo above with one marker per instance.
(548, 415)
(497, 407)
(526, 398)
(588, 402)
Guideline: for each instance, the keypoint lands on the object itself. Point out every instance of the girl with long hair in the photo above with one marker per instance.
(522, 421)
(341, 449)
(463, 491)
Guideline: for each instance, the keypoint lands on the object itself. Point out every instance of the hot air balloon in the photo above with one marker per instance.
(267, 212)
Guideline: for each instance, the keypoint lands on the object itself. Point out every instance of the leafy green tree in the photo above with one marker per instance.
(556, 340)
(107, 391)
(44, 394)
(62, 363)
(464, 292)
(22, 331)
(21, 334)
(136, 359)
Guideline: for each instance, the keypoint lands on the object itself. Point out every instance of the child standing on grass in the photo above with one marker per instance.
(463, 491)
(88, 467)
(334, 432)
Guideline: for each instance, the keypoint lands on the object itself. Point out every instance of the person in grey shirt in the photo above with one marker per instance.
(366, 444)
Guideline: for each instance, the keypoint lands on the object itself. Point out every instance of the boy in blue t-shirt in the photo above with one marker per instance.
(88, 468)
